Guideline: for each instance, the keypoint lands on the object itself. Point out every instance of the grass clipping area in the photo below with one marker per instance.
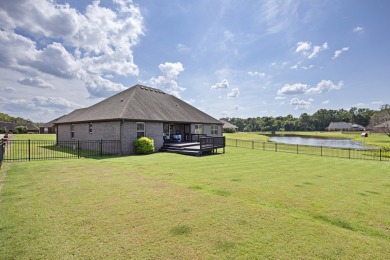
(241, 204)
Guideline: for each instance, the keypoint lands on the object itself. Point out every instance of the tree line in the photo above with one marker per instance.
(316, 122)
(7, 118)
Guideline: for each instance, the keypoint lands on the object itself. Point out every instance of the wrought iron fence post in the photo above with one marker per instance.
(297, 148)
(29, 151)
(101, 147)
(78, 149)
(380, 155)
(321, 150)
(276, 147)
(236, 142)
(349, 153)
(253, 145)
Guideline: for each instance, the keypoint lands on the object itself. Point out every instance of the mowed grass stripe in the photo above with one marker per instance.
(274, 205)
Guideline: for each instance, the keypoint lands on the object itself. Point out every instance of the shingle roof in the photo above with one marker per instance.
(339, 125)
(228, 125)
(140, 103)
(11, 126)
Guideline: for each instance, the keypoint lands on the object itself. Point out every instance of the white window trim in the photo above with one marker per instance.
(215, 129)
(140, 131)
(196, 126)
(72, 132)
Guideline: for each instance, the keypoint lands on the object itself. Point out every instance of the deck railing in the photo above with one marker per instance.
(211, 143)
(196, 137)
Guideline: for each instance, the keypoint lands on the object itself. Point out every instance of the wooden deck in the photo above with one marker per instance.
(193, 148)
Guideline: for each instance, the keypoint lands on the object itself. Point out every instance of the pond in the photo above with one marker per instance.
(336, 143)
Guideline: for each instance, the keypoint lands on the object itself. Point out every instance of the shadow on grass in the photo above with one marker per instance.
(336, 222)
(69, 153)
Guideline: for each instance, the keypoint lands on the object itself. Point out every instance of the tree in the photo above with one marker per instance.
(21, 129)
(380, 121)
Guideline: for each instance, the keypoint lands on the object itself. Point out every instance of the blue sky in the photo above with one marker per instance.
(227, 58)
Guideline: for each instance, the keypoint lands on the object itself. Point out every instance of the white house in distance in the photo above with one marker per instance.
(135, 112)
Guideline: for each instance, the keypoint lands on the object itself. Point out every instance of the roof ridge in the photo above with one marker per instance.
(128, 100)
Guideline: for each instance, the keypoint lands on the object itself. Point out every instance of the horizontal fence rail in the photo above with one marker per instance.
(361, 154)
(28, 150)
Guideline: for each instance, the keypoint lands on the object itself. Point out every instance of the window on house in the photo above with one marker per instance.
(214, 130)
(72, 130)
(140, 130)
(198, 129)
(90, 128)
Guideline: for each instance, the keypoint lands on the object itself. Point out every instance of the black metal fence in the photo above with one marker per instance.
(28, 150)
(361, 154)
(1, 152)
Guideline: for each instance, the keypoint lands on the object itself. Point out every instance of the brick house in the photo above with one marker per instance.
(135, 112)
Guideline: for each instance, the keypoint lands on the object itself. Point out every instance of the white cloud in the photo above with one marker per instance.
(301, 104)
(42, 105)
(255, 73)
(35, 82)
(234, 93)
(167, 81)
(8, 89)
(303, 47)
(280, 97)
(99, 87)
(54, 103)
(294, 89)
(301, 88)
(236, 107)
(338, 52)
(310, 51)
(325, 102)
(182, 48)
(358, 29)
(72, 44)
(224, 84)
(278, 15)
(325, 86)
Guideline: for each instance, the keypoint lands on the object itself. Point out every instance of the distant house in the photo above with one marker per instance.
(343, 126)
(136, 112)
(227, 125)
(48, 128)
(11, 126)
(382, 128)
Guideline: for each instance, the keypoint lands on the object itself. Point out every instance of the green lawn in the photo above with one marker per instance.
(39, 137)
(241, 204)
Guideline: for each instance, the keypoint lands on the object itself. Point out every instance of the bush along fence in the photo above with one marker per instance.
(382, 154)
(28, 150)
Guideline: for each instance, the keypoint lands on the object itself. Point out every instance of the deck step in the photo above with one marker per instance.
(182, 151)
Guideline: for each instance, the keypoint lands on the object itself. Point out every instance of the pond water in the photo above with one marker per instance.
(337, 143)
